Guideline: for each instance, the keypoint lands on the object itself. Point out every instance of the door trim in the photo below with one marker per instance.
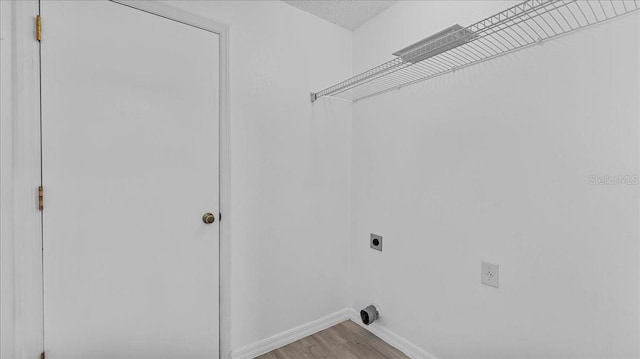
(21, 303)
(20, 220)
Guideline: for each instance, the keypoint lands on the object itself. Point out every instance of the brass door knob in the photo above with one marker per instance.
(208, 218)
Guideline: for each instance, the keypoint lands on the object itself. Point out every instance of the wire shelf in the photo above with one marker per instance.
(519, 26)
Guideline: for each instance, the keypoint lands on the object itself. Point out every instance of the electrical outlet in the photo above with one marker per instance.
(489, 274)
(375, 242)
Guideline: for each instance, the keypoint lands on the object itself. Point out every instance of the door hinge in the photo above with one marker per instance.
(38, 28)
(42, 355)
(40, 198)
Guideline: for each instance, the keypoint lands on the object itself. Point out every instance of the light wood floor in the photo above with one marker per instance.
(346, 340)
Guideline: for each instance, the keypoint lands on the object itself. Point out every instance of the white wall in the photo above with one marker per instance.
(6, 246)
(289, 166)
(492, 163)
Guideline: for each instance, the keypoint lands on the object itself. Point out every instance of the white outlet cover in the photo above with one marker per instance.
(489, 274)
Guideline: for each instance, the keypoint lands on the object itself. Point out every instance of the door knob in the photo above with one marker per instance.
(208, 218)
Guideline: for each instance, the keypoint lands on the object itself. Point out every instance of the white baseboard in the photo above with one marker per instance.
(409, 349)
(289, 336)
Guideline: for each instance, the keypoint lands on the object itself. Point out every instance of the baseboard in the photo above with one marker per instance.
(289, 336)
(409, 349)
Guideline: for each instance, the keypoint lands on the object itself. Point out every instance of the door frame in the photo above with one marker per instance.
(21, 276)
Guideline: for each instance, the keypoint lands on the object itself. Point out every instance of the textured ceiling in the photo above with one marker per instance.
(347, 13)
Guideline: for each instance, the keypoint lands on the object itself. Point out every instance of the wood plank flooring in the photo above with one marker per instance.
(346, 340)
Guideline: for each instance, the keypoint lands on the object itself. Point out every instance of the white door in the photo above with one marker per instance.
(130, 165)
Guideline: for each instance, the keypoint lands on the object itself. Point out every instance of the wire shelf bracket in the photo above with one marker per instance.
(528, 23)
